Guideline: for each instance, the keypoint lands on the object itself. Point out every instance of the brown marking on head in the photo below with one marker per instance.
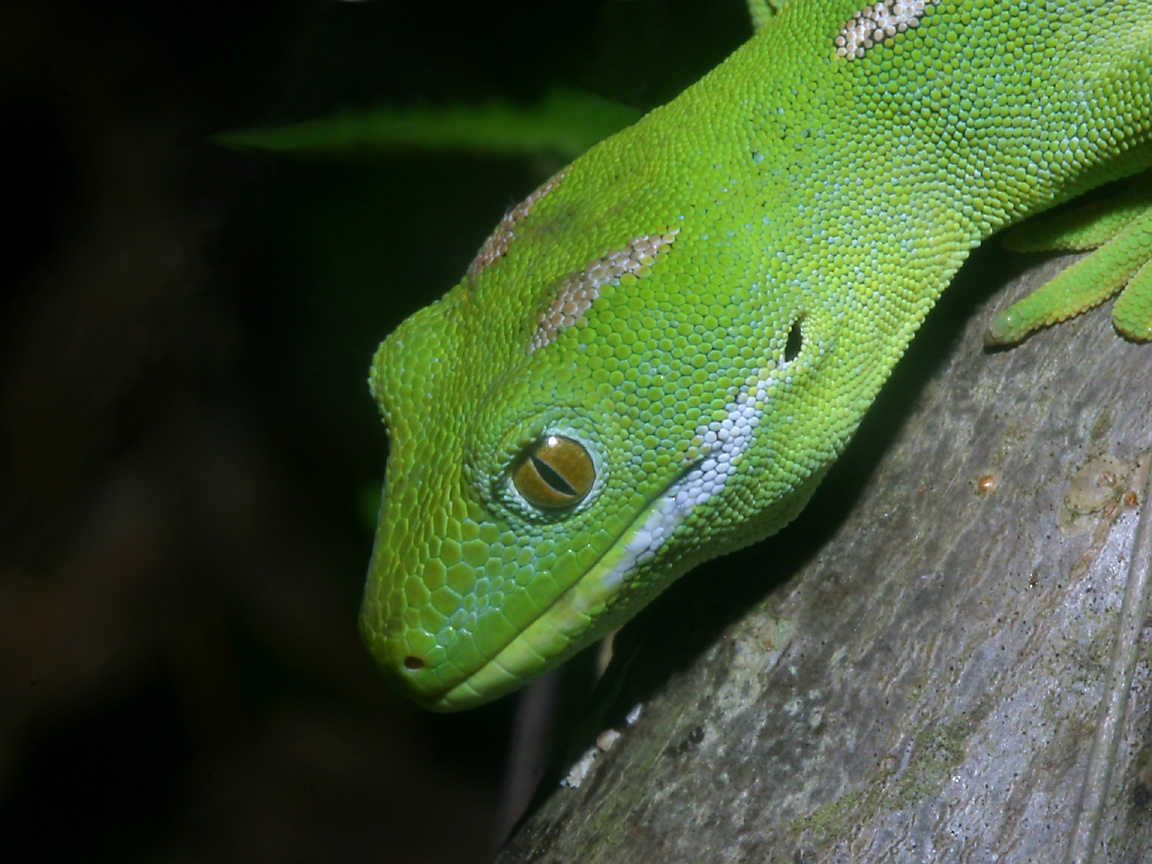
(496, 246)
(877, 23)
(578, 291)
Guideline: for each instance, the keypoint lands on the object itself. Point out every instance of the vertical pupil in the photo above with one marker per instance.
(550, 476)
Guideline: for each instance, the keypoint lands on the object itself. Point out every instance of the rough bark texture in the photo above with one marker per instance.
(922, 679)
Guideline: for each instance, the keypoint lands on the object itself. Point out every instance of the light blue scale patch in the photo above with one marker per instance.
(719, 446)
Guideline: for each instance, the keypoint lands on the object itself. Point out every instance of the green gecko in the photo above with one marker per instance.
(657, 355)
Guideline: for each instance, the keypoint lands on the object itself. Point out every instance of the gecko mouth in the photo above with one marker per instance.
(599, 600)
(583, 612)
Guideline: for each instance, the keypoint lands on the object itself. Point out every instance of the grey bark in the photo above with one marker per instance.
(917, 670)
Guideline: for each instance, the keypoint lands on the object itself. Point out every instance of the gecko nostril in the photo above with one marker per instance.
(414, 663)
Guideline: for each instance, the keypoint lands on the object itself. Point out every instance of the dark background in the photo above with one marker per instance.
(189, 458)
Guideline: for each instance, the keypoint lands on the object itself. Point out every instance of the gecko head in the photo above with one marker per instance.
(509, 528)
(569, 432)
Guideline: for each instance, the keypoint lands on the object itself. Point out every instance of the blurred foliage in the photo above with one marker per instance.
(187, 440)
(564, 124)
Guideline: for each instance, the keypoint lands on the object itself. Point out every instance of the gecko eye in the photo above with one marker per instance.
(555, 473)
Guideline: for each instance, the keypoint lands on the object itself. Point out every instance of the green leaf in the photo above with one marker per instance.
(564, 124)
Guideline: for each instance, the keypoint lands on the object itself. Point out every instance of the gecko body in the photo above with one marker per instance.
(657, 355)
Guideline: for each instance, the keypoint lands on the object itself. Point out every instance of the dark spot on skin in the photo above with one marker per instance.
(1141, 796)
(795, 342)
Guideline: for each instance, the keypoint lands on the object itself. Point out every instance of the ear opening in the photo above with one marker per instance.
(795, 342)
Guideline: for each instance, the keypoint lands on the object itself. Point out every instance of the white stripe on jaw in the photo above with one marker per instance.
(720, 447)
